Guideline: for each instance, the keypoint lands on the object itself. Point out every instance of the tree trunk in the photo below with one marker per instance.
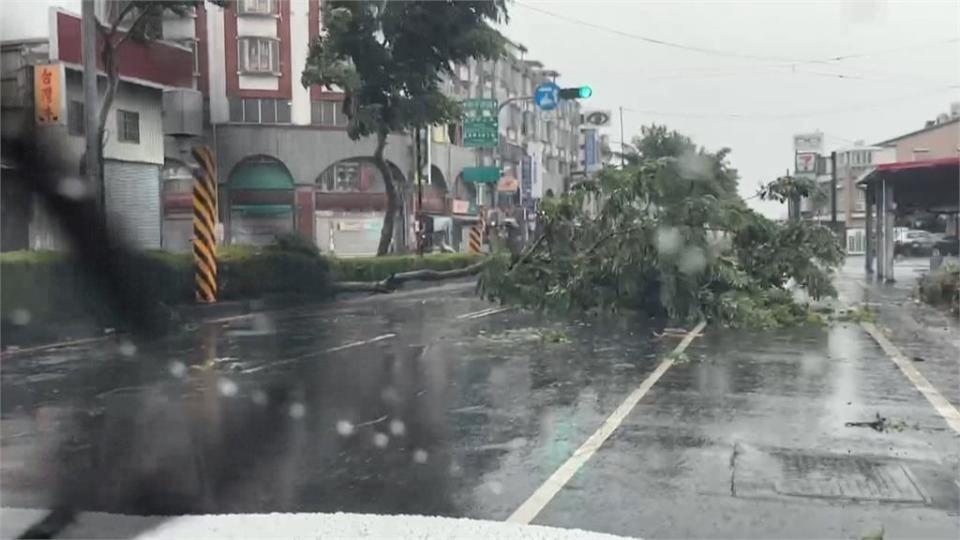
(394, 281)
(393, 198)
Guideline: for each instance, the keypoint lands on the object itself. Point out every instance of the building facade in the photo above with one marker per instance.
(938, 139)
(134, 148)
(285, 163)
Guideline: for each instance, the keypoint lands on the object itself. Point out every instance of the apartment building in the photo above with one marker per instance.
(285, 163)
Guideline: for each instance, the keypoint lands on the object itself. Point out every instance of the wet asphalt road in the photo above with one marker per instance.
(435, 402)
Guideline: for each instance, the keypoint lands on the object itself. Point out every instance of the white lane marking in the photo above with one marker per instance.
(546, 492)
(473, 313)
(483, 313)
(940, 403)
(58, 345)
(494, 312)
(330, 350)
(230, 318)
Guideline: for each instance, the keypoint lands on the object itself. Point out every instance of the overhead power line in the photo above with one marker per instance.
(655, 41)
(801, 114)
(726, 53)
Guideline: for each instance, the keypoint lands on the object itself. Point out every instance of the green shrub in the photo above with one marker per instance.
(941, 287)
(273, 270)
(51, 287)
(378, 268)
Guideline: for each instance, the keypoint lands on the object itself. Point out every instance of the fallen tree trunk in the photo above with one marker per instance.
(395, 281)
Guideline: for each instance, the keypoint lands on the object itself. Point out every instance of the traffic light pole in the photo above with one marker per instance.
(497, 158)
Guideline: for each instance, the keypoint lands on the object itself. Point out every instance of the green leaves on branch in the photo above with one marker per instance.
(668, 236)
(389, 58)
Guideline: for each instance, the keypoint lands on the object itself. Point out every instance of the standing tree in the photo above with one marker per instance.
(389, 59)
(137, 20)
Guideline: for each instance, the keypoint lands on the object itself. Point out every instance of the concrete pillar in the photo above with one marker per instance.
(304, 211)
(881, 245)
(868, 227)
(888, 219)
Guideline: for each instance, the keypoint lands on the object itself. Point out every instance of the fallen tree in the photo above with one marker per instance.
(394, 281)
(669, 236)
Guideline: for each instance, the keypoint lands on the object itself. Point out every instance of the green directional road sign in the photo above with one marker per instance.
(480, 123)
(481, 175)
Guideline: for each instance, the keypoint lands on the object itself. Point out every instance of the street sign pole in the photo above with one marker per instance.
(480, 126)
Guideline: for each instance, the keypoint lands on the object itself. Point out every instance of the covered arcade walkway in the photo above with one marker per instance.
(897, 189)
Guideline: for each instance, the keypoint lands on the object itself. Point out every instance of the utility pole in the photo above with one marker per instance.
(793, 204)
(90, 112)
(419, 176)
(833, 190)
(623, 157)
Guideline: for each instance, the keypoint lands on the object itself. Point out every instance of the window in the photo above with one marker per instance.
(259, 111)
(344, 176)
(268, 111)
(258, 7)
(259, 55)
(236, 109)
(251, 111)
(194, 46)
(327, 113)
(75, 118)
(283, 111)
(128, 126)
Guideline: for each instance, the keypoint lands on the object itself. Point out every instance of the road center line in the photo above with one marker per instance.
(58, 345)
(546, 492)
(483, 313)
(940, 403)
(473, 313)
(350, 345)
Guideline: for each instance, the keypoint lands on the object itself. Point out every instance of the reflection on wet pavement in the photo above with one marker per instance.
(748, 439)
(309, 411)
(415, 404)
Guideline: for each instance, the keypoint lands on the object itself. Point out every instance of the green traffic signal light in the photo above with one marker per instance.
(576, 92)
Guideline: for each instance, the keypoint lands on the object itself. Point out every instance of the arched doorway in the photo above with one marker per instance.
(260, 200)
(350, 204)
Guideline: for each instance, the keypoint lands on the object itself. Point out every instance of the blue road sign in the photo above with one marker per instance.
(547, 96)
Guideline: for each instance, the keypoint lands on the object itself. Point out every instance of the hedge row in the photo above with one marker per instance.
(50, 286)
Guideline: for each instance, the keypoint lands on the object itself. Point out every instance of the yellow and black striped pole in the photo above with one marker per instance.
(476, 239)
(204, 225)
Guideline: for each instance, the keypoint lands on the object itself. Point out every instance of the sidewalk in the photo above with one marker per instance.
(927, 335)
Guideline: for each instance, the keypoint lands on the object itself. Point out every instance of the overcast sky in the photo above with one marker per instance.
(760, 80)
(763, 71)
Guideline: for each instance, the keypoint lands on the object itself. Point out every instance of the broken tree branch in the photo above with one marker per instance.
(528, 252)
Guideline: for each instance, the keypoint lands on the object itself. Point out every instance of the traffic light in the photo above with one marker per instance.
(576, 92)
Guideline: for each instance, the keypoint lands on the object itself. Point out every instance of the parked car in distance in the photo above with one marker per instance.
(948, 245)
(914, 242)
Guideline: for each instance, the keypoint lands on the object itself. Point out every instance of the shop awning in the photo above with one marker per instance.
(262, 209)
(263, 175)
(930, 185)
